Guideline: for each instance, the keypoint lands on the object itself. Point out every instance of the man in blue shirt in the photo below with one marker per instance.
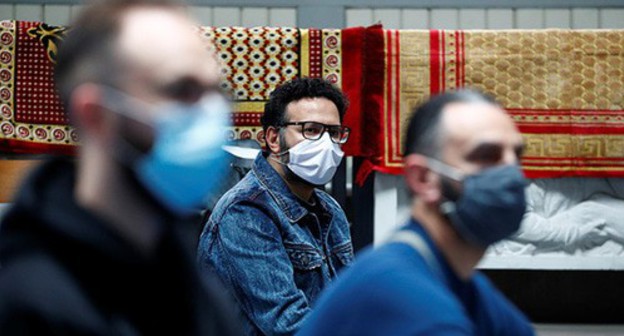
(461, 164)
(275, 239)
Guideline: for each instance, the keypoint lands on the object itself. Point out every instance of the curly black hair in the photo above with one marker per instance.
(297, 89)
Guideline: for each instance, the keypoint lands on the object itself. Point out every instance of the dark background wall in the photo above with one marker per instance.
(564, 296)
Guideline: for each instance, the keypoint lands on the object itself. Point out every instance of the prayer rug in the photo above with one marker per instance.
(563, 88)
(255, 61)
(32, 119)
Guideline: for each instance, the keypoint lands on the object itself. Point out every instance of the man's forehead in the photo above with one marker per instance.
(310, 107)
(142, 25)
(153, 37)
(469, 123)
(465, 118)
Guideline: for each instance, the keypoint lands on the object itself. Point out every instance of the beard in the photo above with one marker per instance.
(126, 156)
(284, 159)
(451, 190)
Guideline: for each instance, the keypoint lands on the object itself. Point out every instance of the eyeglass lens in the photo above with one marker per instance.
(314, 131)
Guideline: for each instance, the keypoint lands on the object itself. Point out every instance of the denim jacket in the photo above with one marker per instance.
(260, 243)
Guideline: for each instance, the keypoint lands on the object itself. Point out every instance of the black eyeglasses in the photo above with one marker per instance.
(312, 130)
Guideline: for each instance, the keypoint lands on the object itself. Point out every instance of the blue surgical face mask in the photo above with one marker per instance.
(185, 162)
(490, 205)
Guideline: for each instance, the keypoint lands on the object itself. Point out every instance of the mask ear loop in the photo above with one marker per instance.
(276, 160)
(447, 173)
(448, 206)
(280, 154)
(124, 152)
(274, 156)
(115, 99)
(445, 169)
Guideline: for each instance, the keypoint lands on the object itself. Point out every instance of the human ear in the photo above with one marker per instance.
(273, 139)
(87, 112)
(421, 181)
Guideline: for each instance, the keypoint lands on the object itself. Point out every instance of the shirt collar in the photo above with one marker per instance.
(288, 202)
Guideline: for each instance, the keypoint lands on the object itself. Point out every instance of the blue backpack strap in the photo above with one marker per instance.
(418, 243)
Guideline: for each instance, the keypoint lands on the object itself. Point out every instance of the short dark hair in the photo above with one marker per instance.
(423, 131)
(297, 89)
(88, 51)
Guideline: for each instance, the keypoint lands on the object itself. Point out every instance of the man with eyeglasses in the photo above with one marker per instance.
(276, 239)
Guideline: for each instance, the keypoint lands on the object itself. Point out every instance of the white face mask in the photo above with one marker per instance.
(315, 161)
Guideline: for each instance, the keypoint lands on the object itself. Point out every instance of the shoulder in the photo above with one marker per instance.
(328, 200)
(396, 279)
(384, 290)
(36, 287)
(243, 198)
(241, 220)
(334, 208)
(249, 188)
(398, 271)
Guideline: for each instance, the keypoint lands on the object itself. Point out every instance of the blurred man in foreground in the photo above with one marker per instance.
(95, 245)
(461, 159)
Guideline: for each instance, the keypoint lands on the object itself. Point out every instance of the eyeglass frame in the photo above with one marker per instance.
(325, 129)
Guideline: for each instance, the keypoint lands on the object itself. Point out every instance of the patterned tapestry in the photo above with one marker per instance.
(32, 119)
(564, 89)
(255, 61)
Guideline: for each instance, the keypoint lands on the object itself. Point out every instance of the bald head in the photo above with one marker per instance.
(163, 56)
(463, 128)
(475, 135)
(464, 112)
(114, 40)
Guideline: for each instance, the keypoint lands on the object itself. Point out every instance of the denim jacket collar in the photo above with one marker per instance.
(288, 202)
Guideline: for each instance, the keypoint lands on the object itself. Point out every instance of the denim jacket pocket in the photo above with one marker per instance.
(304, 258)
(307, 269)
(344, 253)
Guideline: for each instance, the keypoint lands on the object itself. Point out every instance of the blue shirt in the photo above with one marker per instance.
(272, 253)
(394, 291)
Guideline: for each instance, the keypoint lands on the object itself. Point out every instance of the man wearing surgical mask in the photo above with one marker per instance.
(462, 155)
(276, 239)
(98, 245)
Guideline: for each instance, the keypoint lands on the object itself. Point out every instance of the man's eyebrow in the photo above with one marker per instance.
(484, 150)
(188, 82)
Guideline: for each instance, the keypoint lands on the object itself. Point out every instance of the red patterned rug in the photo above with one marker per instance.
(564, 88)
(255, 61)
